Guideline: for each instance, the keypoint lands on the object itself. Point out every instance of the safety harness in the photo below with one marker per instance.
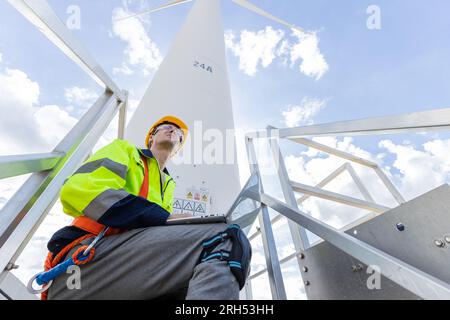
(238, 258)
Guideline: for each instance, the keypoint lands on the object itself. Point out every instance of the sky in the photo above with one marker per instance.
(342, 69)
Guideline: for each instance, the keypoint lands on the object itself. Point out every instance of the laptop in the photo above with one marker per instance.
(243, 216)
(244, 220)
(210, 218)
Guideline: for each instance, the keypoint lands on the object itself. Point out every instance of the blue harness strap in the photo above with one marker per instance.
(46, 277)
(82, 255)
(238, 257)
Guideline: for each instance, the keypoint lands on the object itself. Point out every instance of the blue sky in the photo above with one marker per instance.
(401, 68)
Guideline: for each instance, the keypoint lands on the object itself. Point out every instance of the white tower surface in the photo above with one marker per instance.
(192, 84)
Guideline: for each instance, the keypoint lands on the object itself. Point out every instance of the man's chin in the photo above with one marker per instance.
(167, 145)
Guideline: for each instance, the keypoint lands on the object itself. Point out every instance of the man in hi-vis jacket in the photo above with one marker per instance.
(130, 191)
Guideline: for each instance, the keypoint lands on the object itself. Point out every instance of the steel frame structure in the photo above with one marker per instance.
(24, 212)
(407, 276)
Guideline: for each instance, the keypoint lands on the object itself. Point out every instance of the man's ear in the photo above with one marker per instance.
(150, 140)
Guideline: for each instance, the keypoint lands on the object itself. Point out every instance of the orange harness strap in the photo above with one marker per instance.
(51, 262)
(91, 226)
(144, 187)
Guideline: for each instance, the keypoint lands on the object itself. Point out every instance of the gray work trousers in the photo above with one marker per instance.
(152, 263)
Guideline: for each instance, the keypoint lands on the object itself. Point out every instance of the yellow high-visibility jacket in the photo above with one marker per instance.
(106, 188)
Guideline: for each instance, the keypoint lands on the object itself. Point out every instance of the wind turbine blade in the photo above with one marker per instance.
(168, 5)
(261, 12)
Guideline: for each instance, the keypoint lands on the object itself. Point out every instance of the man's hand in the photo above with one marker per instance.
(175, 216)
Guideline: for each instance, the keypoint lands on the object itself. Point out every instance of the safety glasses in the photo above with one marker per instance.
(178, 131)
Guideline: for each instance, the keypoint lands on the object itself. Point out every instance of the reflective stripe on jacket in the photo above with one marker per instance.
(109, 177)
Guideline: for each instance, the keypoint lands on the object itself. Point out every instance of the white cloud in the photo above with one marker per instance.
(263, 47)
(420, 170)
(303, 113)
(12, 80)
(141, 51)
(54, 123)
(313, 63)
(254, 48)
(18, 95)
(24, 125)
(123, 69)
(80, 96)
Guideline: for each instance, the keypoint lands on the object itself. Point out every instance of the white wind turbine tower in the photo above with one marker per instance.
(192, 83)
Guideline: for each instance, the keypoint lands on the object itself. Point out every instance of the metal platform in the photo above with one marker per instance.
(415, 232)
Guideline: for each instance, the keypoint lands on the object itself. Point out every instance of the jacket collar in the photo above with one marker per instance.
(149, 154)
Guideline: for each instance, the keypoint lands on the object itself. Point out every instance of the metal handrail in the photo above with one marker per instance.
(40, 13)
(272, 262)
(11, 166)
(335, 152)
(346, 166)
(337, 197)
(423, 121)
(407, 276)
(24, 212)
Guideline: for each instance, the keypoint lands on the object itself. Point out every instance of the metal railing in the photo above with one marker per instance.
(24, 212)
(405, 275)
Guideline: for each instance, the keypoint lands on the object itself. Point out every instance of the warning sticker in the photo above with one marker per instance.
(177, 204)
(200, 207)
(188, 205)
(194, 200)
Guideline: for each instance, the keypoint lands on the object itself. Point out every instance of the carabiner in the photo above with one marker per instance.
(93, 243)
